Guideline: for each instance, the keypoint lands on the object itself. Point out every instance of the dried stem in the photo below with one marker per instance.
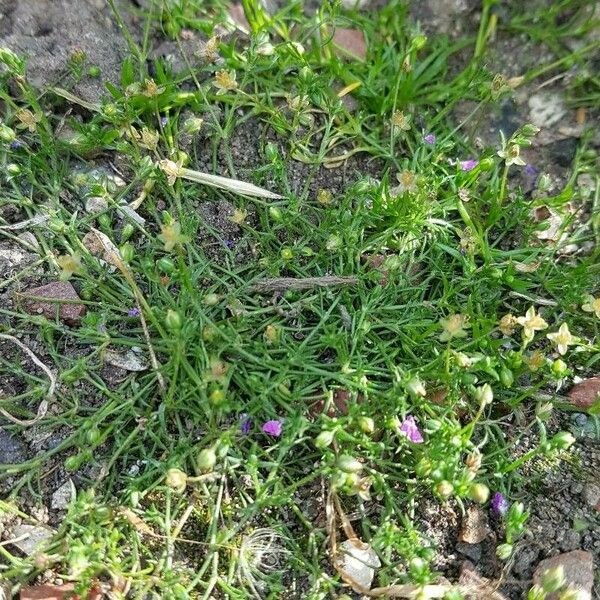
(279, 284)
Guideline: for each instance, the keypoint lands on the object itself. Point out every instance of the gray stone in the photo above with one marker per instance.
(525, 558)
(546, 109)
(591, 494)
(29, 538)
(578, 568)
(62, 496)
(12, 449)
(472, 551)
(48, 32)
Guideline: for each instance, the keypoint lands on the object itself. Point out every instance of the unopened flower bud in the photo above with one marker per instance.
(366, 424)
(506, 377)
(419, 42)
(479, 492)
(173, 320)
(444, 488)
(559, 367)
(529, 130)
(417, 566)
(544, 183)
(504, 551)
(416, 388)
(484, 394)
(349, 464)
(7, 134)
(324, 439)
(193, 125)
(176, 480)
(211, 299)
(287, 253)
(207, 459)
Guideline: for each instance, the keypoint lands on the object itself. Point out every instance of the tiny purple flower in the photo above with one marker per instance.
(164, 121)
(468, 165)
(133, 312)
(499, 504)
(273, 427)
(429, 139)
(246, 424)
(16, 144)
(410, 429)
(229, 243)
(530, 170)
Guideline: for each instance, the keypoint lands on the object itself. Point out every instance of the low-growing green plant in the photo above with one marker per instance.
(380, 343)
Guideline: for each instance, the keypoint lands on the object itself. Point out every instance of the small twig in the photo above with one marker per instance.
(266, 286)
(43, 407)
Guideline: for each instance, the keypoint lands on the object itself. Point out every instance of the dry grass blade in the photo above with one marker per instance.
(225, 183)
(75, 99)
(43, 407)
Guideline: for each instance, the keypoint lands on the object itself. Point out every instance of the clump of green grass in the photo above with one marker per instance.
(215, 468)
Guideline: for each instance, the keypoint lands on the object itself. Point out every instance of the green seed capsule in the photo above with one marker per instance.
(127, 232)
(127, 252)
(275, 214)
(506, 377)
(173, 320)
(104, 221)
(165, 265)
(92, 435)
(75, 461)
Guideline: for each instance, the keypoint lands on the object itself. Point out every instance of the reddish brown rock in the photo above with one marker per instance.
(350, 42)
(56, 592)
(578, 568)
(58, 296)
(585, 393)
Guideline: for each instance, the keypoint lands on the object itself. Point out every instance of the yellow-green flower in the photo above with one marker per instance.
(562, 339)
(535, 361)
(150, 89)
(28, 119)
(592, 305)
(171, 169)
(531, 323)
(454, 327)
(407, 182)
(148, 139)
(225, 81)
(507, 324)
(171, 235)
(400, 121)
(511, 156)
(70, 265)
